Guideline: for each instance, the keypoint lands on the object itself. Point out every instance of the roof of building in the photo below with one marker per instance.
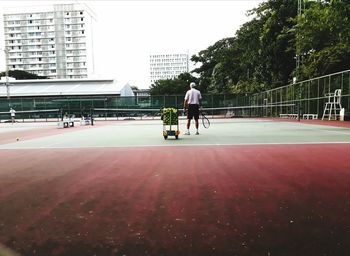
(63, 87)
(44, 8)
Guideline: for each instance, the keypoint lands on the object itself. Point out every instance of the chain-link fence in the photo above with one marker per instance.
(307, 95)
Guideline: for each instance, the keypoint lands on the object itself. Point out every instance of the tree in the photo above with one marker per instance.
(134, 87)
(22, 75)
(261, 53)
(176, 86)
(216, 62)
(277, 51)
(324, 43)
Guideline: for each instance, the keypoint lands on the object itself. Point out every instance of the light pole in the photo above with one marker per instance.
(7, 74)
(299, 12)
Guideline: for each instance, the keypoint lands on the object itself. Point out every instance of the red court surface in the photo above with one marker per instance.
(194, 200)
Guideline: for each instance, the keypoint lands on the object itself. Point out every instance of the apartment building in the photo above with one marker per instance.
(168, 66)
(53, 41)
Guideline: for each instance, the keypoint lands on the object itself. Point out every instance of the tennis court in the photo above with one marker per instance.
(245, 186)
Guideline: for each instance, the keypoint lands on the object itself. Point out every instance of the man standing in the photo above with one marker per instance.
(192, 102)
(13, 114)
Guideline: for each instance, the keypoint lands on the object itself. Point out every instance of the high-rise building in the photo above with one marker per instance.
(168, 66)
(53, 41)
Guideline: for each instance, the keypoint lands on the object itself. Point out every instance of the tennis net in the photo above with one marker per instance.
(44, 115)
(270, 110)
(125, 113)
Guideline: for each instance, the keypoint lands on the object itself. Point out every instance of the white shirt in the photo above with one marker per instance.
(13, 112)
(193, 96)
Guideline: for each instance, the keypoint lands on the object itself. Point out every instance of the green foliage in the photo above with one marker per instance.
(216, 64)
(176, 86)
(245, 86)
(259, 54)
(134, 87)
(324, 43)
(22, 75)
(262, 54)
(277, 55)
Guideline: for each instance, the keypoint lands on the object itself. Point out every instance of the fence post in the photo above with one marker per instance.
(212, 106)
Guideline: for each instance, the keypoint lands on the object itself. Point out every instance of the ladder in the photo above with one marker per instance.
(333, 106)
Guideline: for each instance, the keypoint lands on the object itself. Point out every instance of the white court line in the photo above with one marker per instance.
(180, 145)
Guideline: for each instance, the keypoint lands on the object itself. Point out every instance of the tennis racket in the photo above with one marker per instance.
(205, 120)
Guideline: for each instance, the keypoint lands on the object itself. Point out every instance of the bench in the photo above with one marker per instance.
(294, 116)
(65, 123)
(86, 121)
(310, 116)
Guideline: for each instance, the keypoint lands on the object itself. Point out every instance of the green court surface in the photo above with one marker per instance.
(149, 133)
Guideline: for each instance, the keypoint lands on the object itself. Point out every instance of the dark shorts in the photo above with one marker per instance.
(193, 111)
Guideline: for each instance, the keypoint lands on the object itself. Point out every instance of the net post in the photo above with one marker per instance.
(61, 114)
(58, 114)
(92, 116)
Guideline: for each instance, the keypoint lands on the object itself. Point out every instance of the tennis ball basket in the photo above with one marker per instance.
(170, 118)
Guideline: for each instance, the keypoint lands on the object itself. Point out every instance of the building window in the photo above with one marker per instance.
(82, 19)
(82, 31)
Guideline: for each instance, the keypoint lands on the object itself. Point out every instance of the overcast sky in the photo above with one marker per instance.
(127, 32)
